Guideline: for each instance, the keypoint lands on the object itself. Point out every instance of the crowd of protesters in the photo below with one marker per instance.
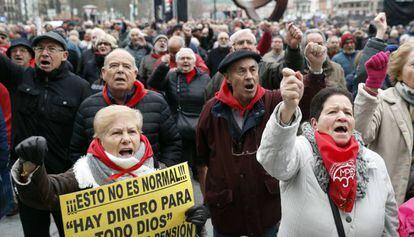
(228, 98)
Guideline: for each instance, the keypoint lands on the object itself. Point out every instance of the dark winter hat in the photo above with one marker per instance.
(236, 56)
(159, 37)
(20, 42)
(50, 35)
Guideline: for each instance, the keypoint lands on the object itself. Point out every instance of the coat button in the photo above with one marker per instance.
(241, 175)
(65, 102)
(27, 89)
(348, 219)
(218, 204)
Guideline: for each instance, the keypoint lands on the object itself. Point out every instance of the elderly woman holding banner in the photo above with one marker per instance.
(118, 151)
(330, 184)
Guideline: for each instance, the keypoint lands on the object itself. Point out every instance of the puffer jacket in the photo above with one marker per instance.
(44, 104)
(159, 127)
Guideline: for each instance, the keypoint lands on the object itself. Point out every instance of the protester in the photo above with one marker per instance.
(6, 191)
(384, 117)
(92, 68)
(373, 46)
(333, 71)
(44, 102)
(184, 90)
(175, 43)
(346, 57)
(4, 40)
(242, 197)
(119, 151)
(217, 54)
(138, 46)
(147, 64)
(21, 52)
(333, 45)
(276, 53)
(121, 87)
(269, 73)
(327, 171)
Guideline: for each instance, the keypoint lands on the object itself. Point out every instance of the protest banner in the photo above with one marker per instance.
(151, 205)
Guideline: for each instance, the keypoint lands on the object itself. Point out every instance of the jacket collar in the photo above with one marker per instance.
(55, 74)
(252, 119)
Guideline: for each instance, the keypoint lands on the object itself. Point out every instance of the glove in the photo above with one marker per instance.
(376, 68)
(32, 149)
(198, 215)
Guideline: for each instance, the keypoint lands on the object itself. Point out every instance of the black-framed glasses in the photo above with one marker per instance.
(51, 49)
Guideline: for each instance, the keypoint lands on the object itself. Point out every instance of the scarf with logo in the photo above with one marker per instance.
(96, 149)
(139, 93)
(340, 162)
(225, 95)
(321, 153)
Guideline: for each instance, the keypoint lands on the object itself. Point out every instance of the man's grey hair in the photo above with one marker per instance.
(310, 31)
(185, 50)
(237, 34)
(127, 54)
(178, 39)
(135, 30)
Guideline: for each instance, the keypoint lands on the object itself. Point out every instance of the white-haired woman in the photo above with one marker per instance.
(184, 89)
(119, 151)
(91, 70)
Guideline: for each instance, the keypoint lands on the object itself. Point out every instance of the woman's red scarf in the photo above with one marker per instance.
(97, 150)
(189, 76)
(139, 93)
(340, 162)
(225, 95)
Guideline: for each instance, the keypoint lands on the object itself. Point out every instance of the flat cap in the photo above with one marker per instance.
(52, 36)
(20, 42)
(236, 56)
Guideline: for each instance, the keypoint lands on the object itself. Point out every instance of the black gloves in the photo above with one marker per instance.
(198, 215)
(32, 149)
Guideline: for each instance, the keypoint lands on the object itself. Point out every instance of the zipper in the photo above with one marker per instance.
(45, 95)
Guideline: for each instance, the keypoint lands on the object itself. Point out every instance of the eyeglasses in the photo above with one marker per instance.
(242, 42)
(104, 44)
(51, 49)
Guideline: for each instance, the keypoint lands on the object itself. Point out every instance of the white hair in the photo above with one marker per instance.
(185, 50)
(237, 34)
(135, 30)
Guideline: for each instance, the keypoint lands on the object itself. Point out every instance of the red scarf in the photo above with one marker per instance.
(340, 162)
(225, 95)
(97, 150)
(189, 76)
(139, 93)
(156, 56)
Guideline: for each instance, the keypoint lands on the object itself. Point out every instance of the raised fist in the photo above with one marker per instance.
(32, 149)
(293, 36)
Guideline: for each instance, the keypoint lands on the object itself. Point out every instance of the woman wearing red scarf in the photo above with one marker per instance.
(184, 90)
(118, 151)
(330, 184)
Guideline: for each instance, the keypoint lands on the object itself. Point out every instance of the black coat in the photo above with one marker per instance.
(186, 100)
(159, 127)
(44, 104)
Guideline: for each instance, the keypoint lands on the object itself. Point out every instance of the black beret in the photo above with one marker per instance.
(53, 36)
(20, 42)
(236, 56)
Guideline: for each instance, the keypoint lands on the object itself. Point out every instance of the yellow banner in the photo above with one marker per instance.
(151, 205)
